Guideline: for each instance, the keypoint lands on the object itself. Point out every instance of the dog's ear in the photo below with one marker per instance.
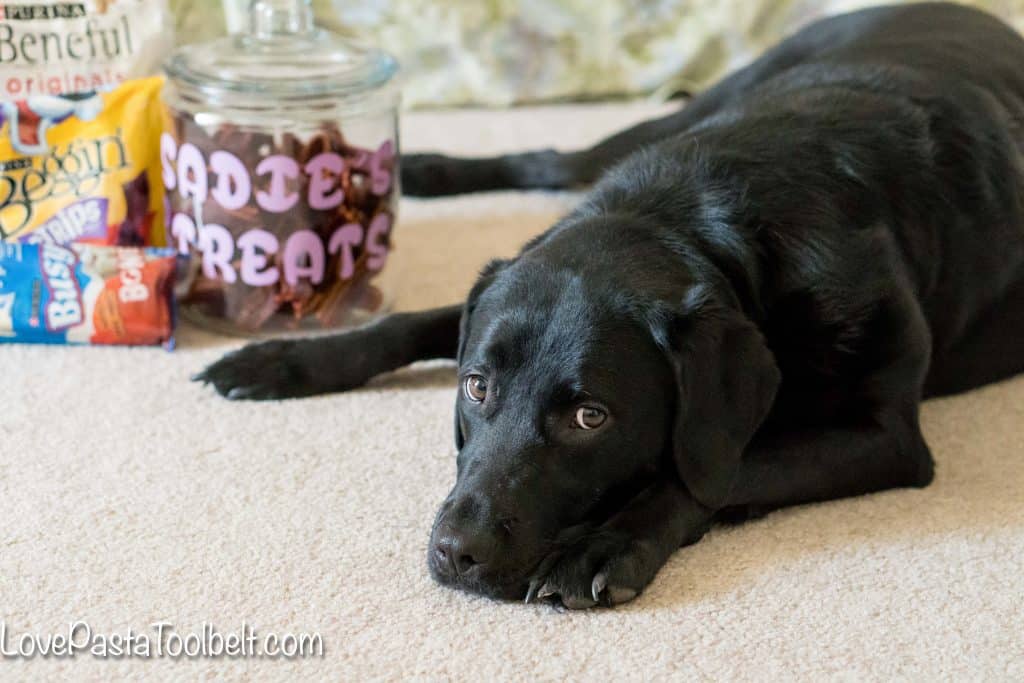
(726, 380)
(487, 275)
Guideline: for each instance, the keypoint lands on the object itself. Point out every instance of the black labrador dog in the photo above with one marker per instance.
(745, 312)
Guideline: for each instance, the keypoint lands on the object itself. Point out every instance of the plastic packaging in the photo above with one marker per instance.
(83, 294)
(83, 167)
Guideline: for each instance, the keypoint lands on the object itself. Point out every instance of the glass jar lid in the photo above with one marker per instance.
(283, 57)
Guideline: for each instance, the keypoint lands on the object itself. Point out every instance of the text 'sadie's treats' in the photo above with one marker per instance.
(84, 294)
(280, 165)
(279, 226)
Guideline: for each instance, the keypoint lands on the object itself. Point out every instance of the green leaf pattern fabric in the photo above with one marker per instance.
(500, 52)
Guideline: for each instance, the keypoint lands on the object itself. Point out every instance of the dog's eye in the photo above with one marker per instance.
(476, 388)
(589, 417)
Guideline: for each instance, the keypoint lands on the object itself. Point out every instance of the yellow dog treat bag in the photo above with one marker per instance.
(83, 167)
(79, 121)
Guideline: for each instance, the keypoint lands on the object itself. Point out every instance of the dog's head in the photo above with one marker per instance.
(575, 392)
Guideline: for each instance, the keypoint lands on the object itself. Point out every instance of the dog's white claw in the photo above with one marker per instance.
(599, 584)
(531, 592)
(545, 591)
(239, 393)
(581, 602)
(617, 596)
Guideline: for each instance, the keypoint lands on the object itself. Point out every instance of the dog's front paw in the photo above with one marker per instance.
(607, 568)
(260, 372)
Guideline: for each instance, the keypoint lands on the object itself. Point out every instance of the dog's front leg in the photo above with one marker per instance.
(289, 368)
(613, 563)
(887, 451)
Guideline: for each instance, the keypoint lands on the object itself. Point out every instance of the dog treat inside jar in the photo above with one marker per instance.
(280, 160)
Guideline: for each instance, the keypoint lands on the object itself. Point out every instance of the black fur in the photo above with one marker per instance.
(758, 293)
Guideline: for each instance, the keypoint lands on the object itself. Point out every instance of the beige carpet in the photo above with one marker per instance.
(130, 496)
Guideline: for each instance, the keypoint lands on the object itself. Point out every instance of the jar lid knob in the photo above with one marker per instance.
(275, 18)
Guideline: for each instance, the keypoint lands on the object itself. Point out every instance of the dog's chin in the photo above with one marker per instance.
(494, 589)
(503, 587)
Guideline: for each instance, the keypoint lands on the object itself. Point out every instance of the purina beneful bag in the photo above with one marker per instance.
(79, 125)
(60, 48)
(80, 122)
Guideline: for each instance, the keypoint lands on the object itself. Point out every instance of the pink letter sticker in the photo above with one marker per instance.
(184, 230)
(256, 245)
(218, 249)
(281, 169)
(168, 153)
(376, 247)
(346, 238)
(233, 185)
(323, 171)
(380, 177)
(192, 181)
(304, 257)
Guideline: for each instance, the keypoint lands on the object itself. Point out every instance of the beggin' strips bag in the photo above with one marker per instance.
(84, 294)
(83, 167)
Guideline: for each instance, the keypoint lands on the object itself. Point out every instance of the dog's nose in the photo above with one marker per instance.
(459, 552)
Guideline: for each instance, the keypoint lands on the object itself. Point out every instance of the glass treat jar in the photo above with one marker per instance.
(280, 161)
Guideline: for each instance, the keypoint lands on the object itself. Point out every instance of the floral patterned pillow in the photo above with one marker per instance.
(499, 52)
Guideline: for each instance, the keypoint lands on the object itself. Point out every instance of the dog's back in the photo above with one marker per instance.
(913, 116)
(870, 152)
